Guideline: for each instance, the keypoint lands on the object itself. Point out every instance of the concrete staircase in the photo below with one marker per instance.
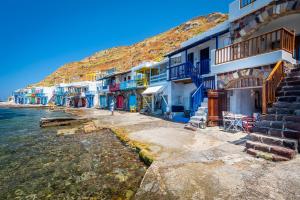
(277, 135)
(200, 114)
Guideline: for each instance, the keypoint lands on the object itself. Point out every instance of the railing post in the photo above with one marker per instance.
(264, 98)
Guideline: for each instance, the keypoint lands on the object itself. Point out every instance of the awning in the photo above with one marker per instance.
(153, 90)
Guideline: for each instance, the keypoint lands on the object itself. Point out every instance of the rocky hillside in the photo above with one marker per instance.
(124, 57)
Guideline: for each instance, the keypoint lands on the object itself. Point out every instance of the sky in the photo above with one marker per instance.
(38, 36)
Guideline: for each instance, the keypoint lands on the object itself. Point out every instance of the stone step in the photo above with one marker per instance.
(287, 105)
(270, 124)
(201, 114)
(275, 117)
(288, 88)
(204, 104)
(292, 118)
(283, 142)
(291, 78)
(198, 118)
(285, 111)
(289, 83)
(279, 133)
(205, 100)
(283, 93)
(287, 99)
(292, 74)
(267, 156)
(281, 151)
(194, 122)
(296, 69)
(272, 117)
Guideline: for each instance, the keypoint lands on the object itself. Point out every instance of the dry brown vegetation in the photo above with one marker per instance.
(124, 57)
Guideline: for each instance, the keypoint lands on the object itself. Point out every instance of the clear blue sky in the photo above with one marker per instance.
(38, 36)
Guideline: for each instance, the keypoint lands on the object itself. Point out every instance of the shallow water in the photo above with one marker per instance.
(36, 164)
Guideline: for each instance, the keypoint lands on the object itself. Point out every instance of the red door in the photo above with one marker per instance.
(120, 102)
(83, 100)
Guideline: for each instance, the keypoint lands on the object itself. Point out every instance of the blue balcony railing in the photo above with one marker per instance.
(209, 82)
(203, 67)
(158, 78)
(181, 71)
(127, 85)
(103, 88)
(87, 93)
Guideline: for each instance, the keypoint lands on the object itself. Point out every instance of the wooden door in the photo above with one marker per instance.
(297, 48)
(217, 102)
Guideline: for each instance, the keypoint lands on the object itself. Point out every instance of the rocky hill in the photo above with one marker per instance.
(124, 57)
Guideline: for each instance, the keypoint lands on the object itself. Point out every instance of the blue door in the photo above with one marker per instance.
(132, 101)
(90, 101)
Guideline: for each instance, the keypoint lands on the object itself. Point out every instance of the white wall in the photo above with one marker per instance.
(224, 40)
(254, 61)
(236, 12)
(242, 102)
(48, 92)
(179, 94)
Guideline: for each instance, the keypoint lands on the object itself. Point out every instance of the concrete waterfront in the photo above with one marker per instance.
(206, 164)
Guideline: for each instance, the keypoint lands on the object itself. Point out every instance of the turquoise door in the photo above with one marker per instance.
(132, 101)
(102, 100)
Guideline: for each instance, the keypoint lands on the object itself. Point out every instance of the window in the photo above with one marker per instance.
(176, 61)
(244, 3)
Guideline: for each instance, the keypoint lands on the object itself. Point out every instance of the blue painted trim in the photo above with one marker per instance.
(196, 43)
(217, 42)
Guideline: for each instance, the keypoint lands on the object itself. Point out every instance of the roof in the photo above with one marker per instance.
(153, 90)
(157, 64)
(146, 64)
(114, 74)
(218, 30)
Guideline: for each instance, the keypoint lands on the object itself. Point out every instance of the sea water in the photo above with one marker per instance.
(35, 163)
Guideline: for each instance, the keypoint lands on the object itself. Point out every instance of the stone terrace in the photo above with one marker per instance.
(206, 164)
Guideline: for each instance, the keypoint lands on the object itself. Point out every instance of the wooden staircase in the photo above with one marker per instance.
(276, 136)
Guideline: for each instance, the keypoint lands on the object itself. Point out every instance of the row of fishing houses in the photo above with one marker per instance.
(235, 56)
(246, 66)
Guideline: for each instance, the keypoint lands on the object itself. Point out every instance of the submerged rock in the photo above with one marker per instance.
(67, 131)
(89, 127)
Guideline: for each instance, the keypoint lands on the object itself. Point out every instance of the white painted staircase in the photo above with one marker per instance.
(200, 115)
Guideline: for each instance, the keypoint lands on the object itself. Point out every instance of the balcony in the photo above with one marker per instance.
(158, 78)
(114, 87)
(59, 93)
(90, 93)
(127, 85)
(182, 71)
(280, 39)
(142, 82)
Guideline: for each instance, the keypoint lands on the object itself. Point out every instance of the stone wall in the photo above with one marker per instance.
(243, 28)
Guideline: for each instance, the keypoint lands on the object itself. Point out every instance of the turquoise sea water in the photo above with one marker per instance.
(37, 164)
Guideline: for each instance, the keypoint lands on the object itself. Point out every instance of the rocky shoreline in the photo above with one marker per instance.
(204, 164)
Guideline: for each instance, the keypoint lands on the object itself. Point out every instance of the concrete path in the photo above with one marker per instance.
(207, 164)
